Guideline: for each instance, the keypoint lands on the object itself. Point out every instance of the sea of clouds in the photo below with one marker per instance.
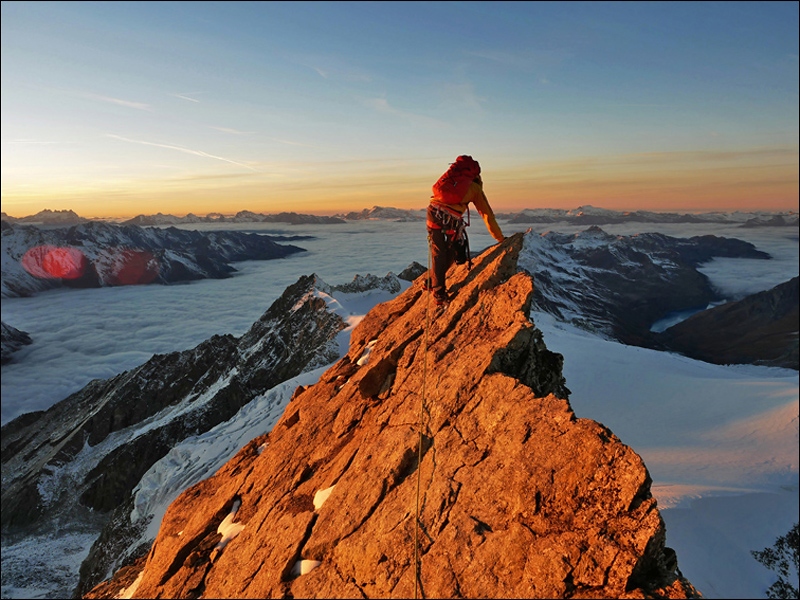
(720, 441)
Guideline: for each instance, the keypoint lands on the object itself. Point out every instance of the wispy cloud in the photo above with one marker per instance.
(333, 68)
(528, 61)
(181, 149)
(187, 97)
(291, 143)
(120, 102)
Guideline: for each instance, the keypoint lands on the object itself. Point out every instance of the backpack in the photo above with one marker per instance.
(452, 186)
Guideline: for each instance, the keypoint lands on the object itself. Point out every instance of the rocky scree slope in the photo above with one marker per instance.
(517, 496)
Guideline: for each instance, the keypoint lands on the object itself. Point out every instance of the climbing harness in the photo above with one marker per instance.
(454, 228)
(452, 223)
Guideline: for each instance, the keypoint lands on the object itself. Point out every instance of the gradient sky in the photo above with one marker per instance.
(124, 108)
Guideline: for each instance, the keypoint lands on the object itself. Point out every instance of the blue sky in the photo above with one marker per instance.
(118, 108)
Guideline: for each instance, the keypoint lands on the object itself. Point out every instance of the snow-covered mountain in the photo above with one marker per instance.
(244, 216)
(383, 213)
(620, 285)
(96, 254)
(592, 215)
(583, 215)
(48, 218)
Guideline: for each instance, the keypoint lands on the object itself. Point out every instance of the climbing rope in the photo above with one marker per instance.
(421, 416)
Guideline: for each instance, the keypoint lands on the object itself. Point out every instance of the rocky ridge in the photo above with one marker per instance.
(760, 329)
(98, 254)
(12, 339)
(465, 410)
(75, 466)
(244, 216)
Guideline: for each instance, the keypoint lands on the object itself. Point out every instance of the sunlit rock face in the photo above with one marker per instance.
(459, 415)
(74, 467)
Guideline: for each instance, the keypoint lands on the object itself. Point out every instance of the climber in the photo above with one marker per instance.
(452, 194)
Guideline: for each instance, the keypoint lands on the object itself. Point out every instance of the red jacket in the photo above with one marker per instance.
(478, 198)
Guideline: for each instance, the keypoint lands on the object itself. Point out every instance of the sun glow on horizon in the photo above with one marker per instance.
(122, 109)
(757, 180)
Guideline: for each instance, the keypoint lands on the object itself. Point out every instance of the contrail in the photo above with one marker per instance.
(184, 97)
(185, 150)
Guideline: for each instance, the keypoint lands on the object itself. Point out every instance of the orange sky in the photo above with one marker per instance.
(760, 179)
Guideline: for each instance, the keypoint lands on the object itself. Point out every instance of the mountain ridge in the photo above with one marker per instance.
(77, 463)
(96, 254)
(760, 329)
(520, 497)
(582, 215)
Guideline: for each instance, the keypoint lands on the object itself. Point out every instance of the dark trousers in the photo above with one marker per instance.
(442, 257)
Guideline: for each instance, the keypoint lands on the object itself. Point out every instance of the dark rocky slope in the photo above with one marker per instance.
(12, 340)
(761, 329)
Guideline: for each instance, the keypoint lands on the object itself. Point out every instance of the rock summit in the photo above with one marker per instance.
(439, 458)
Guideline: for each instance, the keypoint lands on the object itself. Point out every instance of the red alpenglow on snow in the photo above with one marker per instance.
(52, 262)
(133, 267)
(116, 267)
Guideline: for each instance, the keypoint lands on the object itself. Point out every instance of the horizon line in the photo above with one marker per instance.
(213, 214)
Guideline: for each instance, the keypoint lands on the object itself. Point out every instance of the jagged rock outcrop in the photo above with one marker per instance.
(362, 283)
(11, 340)
(412, 271)
(760, 329)
(96, 254)
(75, 465)
(459, 415)
(47, 217)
